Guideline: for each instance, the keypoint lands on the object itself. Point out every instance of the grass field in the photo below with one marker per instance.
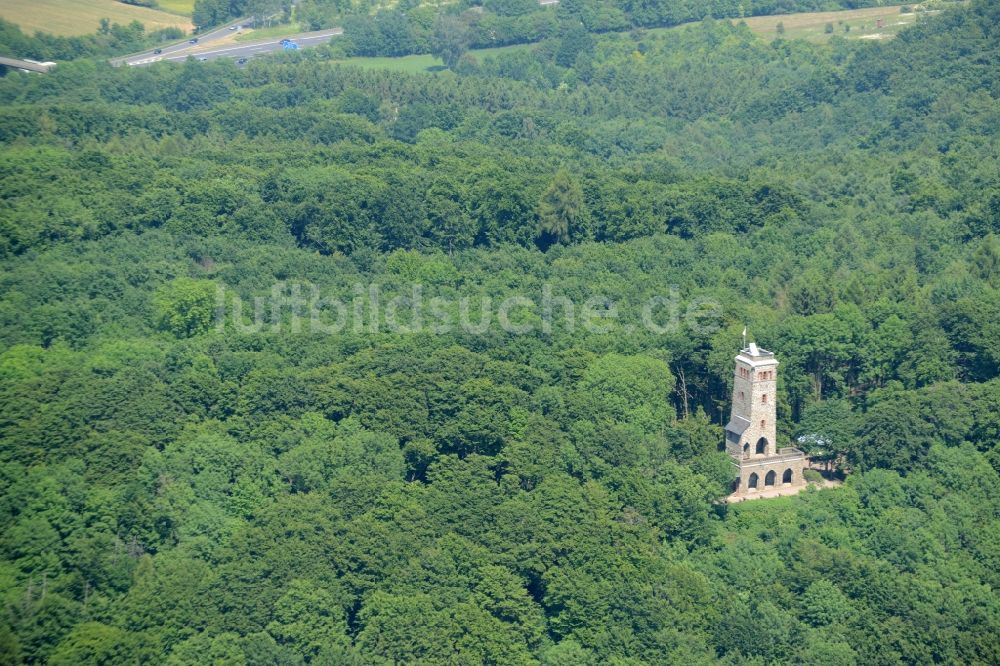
(411, 64)
(182, 7)
(426, 62)
(252, 35)
(80, 17)
(497, 50)
(812, 26)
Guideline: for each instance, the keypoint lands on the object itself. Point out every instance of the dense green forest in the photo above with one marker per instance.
(187, 488)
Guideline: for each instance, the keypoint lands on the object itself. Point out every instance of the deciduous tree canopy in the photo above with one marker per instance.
(214, 451)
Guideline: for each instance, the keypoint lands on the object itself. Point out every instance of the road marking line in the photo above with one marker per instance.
(236, 48)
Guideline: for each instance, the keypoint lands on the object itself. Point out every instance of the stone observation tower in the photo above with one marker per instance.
(750, 434)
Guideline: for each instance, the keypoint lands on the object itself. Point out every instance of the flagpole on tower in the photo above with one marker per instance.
(744, 338)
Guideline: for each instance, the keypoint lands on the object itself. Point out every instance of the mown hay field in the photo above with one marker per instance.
(80, 17)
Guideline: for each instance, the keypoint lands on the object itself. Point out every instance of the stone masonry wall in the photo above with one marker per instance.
(762, 466)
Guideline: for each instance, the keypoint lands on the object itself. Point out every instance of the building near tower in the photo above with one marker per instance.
(750, 434)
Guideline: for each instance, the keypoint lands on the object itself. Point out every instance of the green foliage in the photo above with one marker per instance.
(185, 306)
(451, 39)
(309, 621)
(629, 390)
(109, 39)
(824, 604)
(812, 476)
(173, 491)
(92, 643)
(319, 465)
(561, 210)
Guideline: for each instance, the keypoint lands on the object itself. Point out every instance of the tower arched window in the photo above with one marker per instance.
(763, 399)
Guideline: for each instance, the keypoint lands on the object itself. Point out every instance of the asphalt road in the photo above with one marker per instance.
(205, 39)
(203, 51)
(203, 48)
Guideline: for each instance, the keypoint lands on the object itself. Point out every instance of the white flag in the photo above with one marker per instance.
(744, 331)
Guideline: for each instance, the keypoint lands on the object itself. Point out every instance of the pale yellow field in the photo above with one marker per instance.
(80, 17)
(864, 23)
